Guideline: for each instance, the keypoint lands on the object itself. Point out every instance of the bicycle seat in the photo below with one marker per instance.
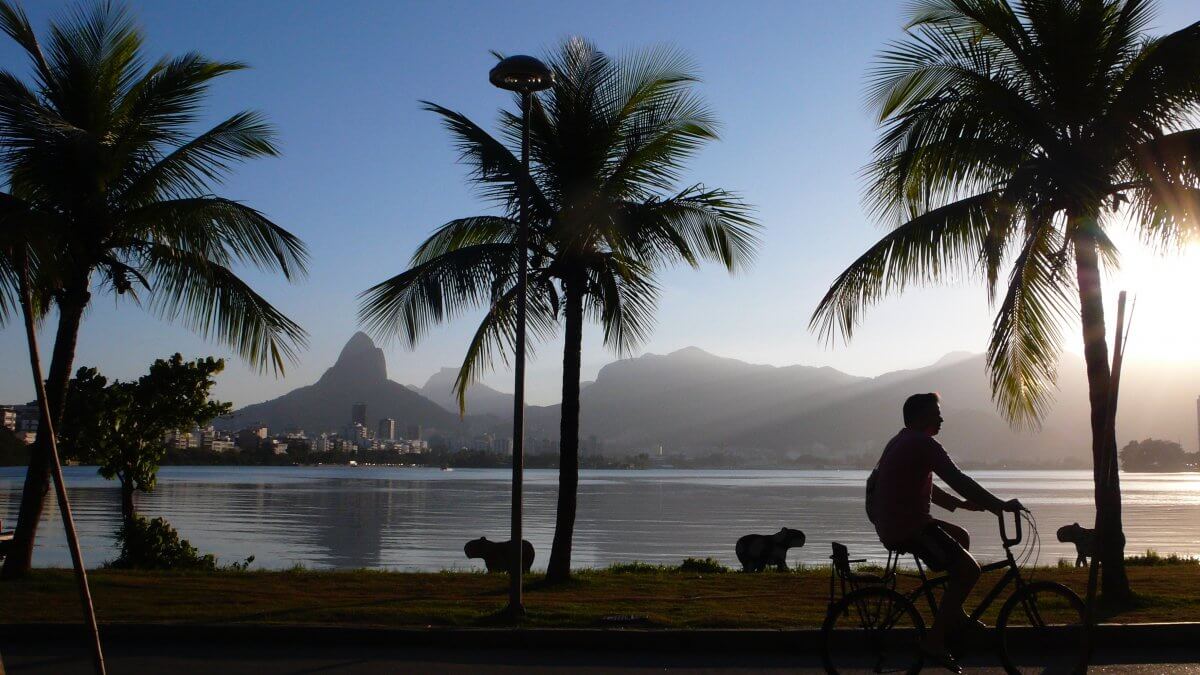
(841, 563)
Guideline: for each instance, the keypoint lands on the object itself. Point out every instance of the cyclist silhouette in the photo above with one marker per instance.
(899, 492)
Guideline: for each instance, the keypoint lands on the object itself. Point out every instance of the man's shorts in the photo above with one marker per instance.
(934, 546)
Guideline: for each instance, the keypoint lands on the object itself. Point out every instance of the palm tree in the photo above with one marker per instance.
(1016, 134)
(608, 145)
(97, 152)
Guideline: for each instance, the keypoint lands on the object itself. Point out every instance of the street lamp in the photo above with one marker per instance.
(525, 75)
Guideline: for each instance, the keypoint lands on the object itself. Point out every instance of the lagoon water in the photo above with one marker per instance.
(418, 519)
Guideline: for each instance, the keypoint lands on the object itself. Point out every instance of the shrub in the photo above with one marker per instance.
(154, 545)
(1154, 559)
(702, 566)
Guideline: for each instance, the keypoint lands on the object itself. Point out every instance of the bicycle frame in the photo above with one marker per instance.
(1012, 575)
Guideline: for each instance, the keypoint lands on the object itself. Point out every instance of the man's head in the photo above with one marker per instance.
(922, 413)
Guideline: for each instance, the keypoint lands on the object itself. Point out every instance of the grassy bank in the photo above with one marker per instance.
(629, 595)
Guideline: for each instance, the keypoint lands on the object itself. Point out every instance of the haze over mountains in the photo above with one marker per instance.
(693, 401)
(481, 399)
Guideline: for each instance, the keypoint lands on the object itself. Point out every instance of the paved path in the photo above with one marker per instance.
(187, 658)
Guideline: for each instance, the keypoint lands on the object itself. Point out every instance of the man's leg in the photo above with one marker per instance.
(964, 573)
(959, 534)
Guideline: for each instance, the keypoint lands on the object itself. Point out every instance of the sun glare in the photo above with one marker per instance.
(1166, 287)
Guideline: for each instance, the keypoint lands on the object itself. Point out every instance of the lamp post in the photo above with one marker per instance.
(524, 75)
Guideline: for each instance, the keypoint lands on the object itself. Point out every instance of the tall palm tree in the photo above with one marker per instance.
(97, 150)
(608, 144)
(1016, 134)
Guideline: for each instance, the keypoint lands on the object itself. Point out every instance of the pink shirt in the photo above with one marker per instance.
(899, 505)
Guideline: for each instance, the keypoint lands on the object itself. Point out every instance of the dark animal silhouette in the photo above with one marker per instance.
(1084, 540)
(756, 551)
(497, 555)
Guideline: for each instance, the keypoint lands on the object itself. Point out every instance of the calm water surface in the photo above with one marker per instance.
(418, 519)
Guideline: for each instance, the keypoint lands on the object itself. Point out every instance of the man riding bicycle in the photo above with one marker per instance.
(899, 492)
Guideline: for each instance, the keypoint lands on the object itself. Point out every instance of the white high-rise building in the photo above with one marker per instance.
(387, 429)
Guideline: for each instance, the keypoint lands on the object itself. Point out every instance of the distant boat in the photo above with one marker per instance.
(353, 463)
(447, 468)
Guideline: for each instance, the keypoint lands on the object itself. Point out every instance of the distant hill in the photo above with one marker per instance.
(481, 399)
(359, 375)
(691, 398)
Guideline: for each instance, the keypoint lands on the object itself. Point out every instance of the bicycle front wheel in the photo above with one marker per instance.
(872, 629)
(1043, 629)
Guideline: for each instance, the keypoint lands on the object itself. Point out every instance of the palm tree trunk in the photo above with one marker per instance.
(559, 568)
(1115, 583)
(37, 477)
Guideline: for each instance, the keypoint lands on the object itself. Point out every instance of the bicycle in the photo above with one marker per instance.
(1042, 626)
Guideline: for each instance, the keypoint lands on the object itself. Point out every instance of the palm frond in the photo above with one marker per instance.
(164, 101)
(1157, 90)
(1165, 198)
(1024, 350)
(494, 168)
(464, 232)
(211, 300)
(15, 24)
(493, 338)
(190, 169)
(695, 224)
(95, 56)
(622, 300)
(408, 304)
(27, 245)
(929, 248)
(220, 229)
(26, 124)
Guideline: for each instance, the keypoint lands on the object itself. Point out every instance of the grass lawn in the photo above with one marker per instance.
(657, 597)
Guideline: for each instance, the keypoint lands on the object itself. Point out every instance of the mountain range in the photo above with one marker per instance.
(693, 401)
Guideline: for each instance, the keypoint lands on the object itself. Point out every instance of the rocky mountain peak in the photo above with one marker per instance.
(360, 360)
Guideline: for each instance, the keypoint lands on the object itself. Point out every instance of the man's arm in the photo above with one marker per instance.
(947, 470)
(945, 499)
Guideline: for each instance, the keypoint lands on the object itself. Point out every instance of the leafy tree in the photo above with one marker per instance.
(1016, 134)
(1155, 455)
(121, 427)
(608, 144)
(102, 166)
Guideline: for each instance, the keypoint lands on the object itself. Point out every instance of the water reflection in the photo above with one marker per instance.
(414, 519)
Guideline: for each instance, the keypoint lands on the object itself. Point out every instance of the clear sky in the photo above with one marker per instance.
(365, 175)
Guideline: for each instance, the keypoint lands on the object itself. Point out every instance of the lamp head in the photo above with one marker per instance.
(521, 73)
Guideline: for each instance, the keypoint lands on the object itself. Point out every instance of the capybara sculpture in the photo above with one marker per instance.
(1084, 540)
(756, 551)
(497, 555)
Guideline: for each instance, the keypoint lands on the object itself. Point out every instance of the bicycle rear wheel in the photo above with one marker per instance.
(1043, 629)
(872, 629)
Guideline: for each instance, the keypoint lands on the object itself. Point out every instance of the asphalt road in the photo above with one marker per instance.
(188, 658)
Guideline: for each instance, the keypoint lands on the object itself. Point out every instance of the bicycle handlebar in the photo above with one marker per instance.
(1009, 543)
